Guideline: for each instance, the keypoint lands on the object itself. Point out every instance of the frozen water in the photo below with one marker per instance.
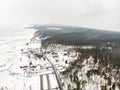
(11, 40)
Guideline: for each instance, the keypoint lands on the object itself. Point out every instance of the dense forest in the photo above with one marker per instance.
(107, 43)
(78, 36)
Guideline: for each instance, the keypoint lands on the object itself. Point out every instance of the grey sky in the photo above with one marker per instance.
(103, 14)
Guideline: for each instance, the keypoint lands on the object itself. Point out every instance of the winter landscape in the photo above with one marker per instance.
(59, 44)
(37, 58)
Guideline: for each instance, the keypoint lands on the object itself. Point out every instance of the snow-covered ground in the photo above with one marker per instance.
(12, 77)
(61, 56)
(12, 39)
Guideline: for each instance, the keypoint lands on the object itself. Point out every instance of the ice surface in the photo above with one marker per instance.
(11, 40)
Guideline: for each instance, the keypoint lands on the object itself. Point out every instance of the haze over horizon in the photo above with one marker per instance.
(100, 14)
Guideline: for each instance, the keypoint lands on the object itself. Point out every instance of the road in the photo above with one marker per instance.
(41, 82)
(48, 80)
(55, 71)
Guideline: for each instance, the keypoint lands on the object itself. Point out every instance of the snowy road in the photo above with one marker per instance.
(55, 73)
(41, 82)
(48, 80)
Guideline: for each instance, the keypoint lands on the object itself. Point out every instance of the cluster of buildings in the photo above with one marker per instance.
(32, 60)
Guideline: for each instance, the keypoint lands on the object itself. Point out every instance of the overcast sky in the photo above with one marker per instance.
(101, 14)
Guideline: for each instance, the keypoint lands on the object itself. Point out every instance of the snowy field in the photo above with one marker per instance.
(12, 39)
